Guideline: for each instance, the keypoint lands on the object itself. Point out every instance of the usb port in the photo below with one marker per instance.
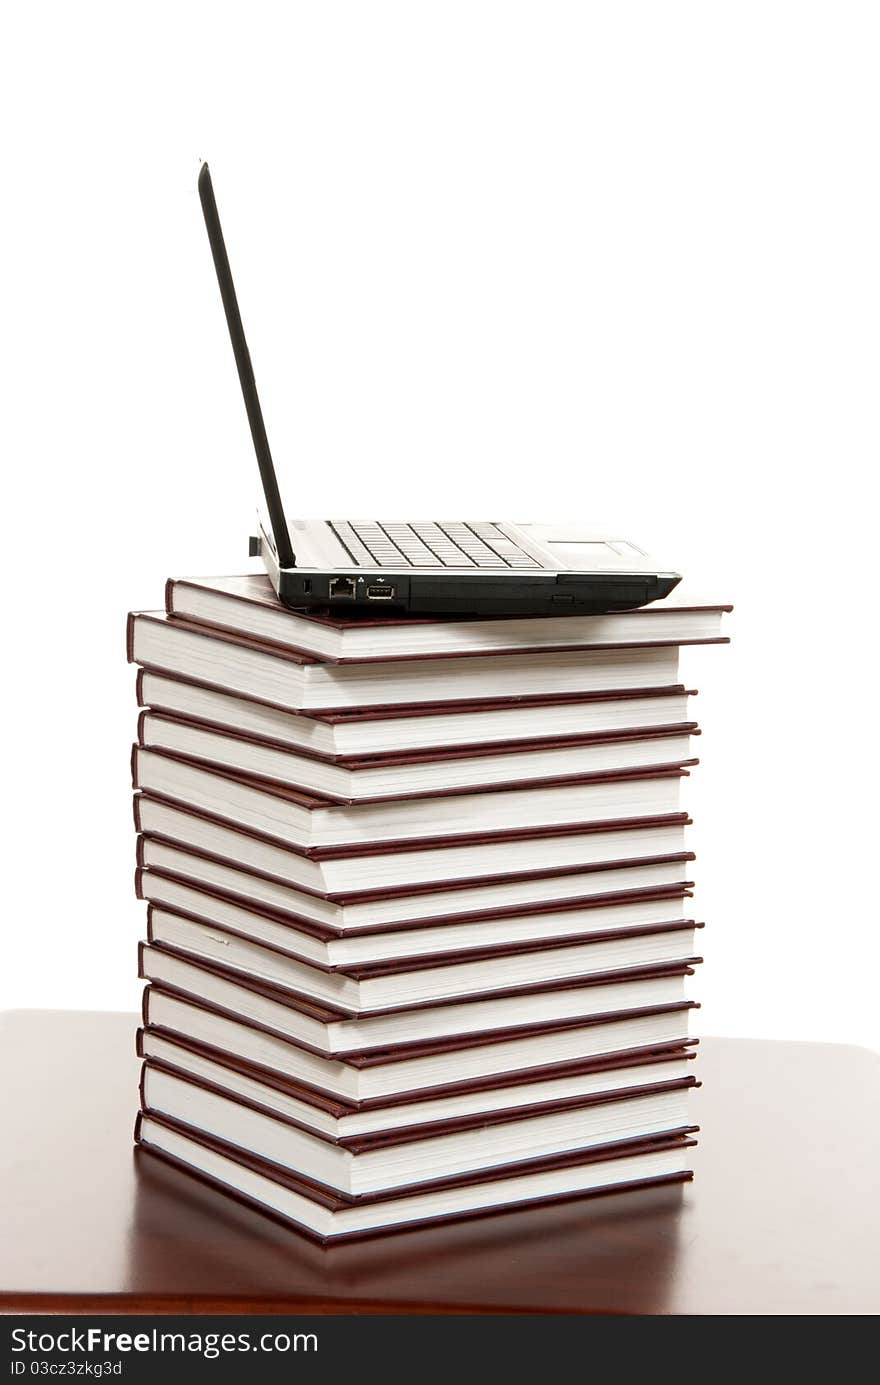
(342, 587)
(381, 592)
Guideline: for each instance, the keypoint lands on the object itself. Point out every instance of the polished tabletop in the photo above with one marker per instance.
(783, 1216)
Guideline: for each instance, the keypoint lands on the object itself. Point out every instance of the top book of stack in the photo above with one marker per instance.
(248, 606)
(232, 634)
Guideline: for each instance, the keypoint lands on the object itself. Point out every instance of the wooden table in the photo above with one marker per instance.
(784, 1215)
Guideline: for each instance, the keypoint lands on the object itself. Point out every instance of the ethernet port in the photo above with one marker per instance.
(342, 588)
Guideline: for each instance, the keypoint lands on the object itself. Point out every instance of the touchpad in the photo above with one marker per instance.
(590, 553)
(586, 549)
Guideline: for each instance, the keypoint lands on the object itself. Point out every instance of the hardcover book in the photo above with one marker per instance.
(393, 872)
(328, 1217)
(411, 947)
(312, 824)
(338, 1121)
(512, 895)
(247, 605)
(395, 988)
(395, 731)
(382, 1165)
(425, 774)
(284, 678)
(330, 1031)
(440, 1068)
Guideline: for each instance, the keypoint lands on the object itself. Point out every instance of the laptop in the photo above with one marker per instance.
(467, 567)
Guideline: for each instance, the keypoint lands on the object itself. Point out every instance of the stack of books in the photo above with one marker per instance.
(419, 919)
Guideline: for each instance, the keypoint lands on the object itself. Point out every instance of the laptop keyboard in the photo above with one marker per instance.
(433, 545)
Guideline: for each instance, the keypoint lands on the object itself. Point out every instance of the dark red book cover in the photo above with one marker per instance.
(680, 890)
(387, 1058)
(390, 1139)
(255, 591)
(333, 1203)
(418, 962)
(324, 1014)
(650, 735)
(609, 974)
(310, 802)
(658, 1059)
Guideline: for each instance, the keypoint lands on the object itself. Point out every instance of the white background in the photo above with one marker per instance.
(612, 260)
